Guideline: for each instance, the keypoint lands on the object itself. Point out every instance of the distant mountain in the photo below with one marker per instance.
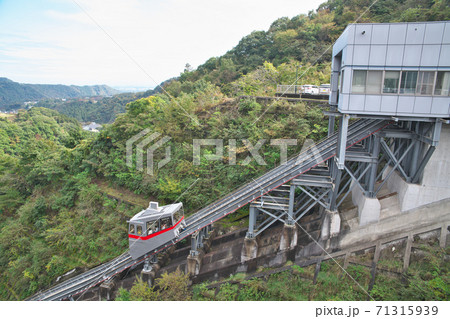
(101, 110)
(13, 94)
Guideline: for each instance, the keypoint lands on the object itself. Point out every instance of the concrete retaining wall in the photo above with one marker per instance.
(435, 184)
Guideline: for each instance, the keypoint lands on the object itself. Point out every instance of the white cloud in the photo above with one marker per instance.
(160, 35)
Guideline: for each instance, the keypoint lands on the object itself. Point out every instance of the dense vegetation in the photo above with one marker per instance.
(426, 279)
(55, 213)
(306, 39)
(213, 117)
(52, 217)
(169, 287)
(13, 94)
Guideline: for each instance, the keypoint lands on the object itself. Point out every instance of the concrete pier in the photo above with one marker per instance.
(289, 237)
(149, 276)
(331, 226)
(194, 263)
(369, 209)
(106, 290)
(249, 249)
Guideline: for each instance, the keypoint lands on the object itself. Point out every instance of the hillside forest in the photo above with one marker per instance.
(13, 94)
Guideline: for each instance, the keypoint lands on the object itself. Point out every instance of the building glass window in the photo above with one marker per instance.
(359, 81)
(374, 79)
(341, 80)
(442, 84)
(391, 79)
(408, 82)
(425, 83)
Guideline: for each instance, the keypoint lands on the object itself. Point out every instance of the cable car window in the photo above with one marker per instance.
(152, 227)
(166, 223)
(139, 230)
(177, 217)
(131, 229)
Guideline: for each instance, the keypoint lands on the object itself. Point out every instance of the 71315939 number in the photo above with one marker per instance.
(407, 310)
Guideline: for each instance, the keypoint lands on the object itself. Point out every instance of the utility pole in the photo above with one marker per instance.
(296, 78)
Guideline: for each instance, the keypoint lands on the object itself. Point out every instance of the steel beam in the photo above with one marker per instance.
(342, 141)
(335, 190)
(253, 214)
(290, 217)
(423, 163)
(311, 180)
(373, 166)
(397, 164)
(326, 205)
(394, 159)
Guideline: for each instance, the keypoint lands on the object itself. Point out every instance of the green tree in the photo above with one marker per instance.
(174, 286)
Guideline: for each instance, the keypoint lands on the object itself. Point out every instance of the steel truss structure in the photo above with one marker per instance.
(302, 171)
(322, 175)
(197, 239)
(405, 146)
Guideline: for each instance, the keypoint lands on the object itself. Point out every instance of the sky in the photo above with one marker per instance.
(125, 43)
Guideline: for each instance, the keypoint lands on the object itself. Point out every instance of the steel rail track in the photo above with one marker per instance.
(238, 198)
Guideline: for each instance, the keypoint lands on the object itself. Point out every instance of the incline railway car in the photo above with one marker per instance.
(153, 227)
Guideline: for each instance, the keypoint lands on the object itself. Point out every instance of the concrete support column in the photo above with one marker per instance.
(290, 217)
(369, 209)
(200, 244)
(288, 237)
(194, 263)
(151, 266)
(249, 249)
(331, 225)
(106, 289)
(149, 276)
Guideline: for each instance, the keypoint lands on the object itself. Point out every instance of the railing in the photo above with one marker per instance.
(290, 89)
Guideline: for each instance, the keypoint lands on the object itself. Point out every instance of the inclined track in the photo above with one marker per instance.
(245, 194)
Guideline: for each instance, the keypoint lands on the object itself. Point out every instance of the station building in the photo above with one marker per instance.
(399, 72)
(399, 69)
